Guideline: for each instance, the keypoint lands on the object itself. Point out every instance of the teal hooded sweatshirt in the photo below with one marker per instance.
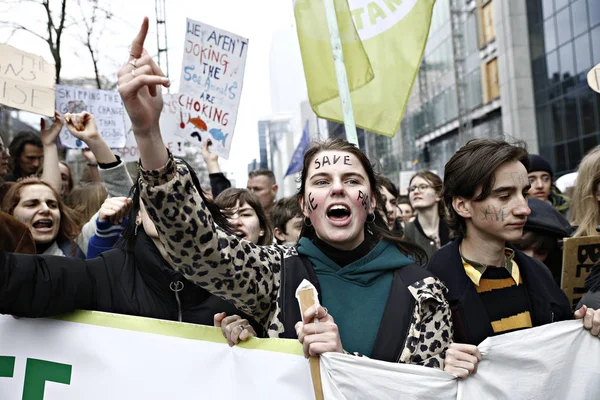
(356, 295)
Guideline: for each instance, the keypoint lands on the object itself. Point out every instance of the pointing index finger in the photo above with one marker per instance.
(137, 46)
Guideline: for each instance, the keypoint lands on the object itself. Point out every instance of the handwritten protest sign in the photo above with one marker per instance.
(580, 255)
(172, 135)
(211, 84)
(26, 81)
(106, 107)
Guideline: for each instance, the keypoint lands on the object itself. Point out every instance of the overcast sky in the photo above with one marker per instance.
(256, 20)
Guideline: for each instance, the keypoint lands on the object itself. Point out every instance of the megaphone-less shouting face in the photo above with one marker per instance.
(337, 196)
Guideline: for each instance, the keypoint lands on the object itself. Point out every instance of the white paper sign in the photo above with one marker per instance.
(172, 135)
(211, 84)
(106, 107)
(26, 81)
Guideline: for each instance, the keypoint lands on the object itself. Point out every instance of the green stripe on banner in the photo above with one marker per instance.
(178, 329)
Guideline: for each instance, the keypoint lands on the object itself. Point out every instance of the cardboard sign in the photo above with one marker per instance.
(211, 84)
(106, 107)
(26, 81)
(593, 78)
(579, 256)
(173, 137)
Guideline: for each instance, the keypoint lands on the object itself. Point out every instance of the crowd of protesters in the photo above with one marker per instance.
(466, 256)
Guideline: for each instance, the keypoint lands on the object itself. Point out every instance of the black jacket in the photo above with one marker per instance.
(414, 233)
(471, 324)
(134, 283)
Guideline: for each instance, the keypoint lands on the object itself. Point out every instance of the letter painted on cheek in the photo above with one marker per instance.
(312, 205)
(491, 213)
(365, 199)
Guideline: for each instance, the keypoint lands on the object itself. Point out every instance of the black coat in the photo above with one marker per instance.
(133, 283)
(548, 303)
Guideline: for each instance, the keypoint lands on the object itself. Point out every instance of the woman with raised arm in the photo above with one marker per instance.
(385, 306)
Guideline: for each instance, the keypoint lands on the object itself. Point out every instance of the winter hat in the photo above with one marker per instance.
(546, 220)
(538, 163)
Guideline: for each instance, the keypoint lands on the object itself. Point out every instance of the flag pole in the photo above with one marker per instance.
(340, 72)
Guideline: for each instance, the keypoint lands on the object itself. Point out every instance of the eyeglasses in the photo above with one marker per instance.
(422, 187)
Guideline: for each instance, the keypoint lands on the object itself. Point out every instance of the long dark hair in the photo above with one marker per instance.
(129, 233)
(68, 228)
(228, 199)
(378, 229)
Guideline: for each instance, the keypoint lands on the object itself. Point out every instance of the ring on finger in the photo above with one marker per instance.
(326, 312)
(241, 328)
(132, 62)
(133, 72)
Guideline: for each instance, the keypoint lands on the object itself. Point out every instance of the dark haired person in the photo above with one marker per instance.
(492, 287)
(27, 153)
(389, 194)
(428, 229)
(246, 216)
(541, 179)
(287, 221)
(261, 182)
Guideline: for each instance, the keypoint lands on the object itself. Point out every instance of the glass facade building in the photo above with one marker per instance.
(565, 45)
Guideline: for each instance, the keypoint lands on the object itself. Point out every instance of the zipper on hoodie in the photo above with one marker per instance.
(176, 287)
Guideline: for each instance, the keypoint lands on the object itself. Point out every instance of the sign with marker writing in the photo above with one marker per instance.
(211, 84)
(106, 107)
(173, 137)
(579, 256)
(26, 81)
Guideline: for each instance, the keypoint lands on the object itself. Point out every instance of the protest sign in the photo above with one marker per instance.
(106, 107)
(26, 81)
(211, 84)
(91, 355)
(173, 137)
(579, 256)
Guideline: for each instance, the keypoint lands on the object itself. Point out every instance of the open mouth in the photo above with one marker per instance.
(43, 225)
(240, 234)
(338, 212)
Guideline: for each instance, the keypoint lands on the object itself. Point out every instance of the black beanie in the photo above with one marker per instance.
(538, 163)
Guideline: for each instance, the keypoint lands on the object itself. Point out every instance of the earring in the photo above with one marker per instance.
(137, 224)
(309, 224)
(372, 220)
(261, 233)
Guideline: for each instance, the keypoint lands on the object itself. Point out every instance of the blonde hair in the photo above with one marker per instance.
(86, 200)
(585, 208)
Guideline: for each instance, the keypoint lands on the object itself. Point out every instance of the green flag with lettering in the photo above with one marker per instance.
(383, 43)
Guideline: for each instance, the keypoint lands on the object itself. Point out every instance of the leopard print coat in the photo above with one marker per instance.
(248, 275)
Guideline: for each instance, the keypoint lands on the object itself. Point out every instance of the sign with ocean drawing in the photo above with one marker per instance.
(211, 84)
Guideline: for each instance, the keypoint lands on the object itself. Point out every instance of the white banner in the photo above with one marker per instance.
(91, 355)
(107, 356)
(26, 81)
(211, 84)
(551, 362)
(106, 107)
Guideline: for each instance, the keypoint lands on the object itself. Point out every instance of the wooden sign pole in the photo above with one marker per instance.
(306, 298)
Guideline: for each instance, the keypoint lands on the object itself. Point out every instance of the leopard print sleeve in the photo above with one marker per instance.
(431, 329)
(234, 269)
